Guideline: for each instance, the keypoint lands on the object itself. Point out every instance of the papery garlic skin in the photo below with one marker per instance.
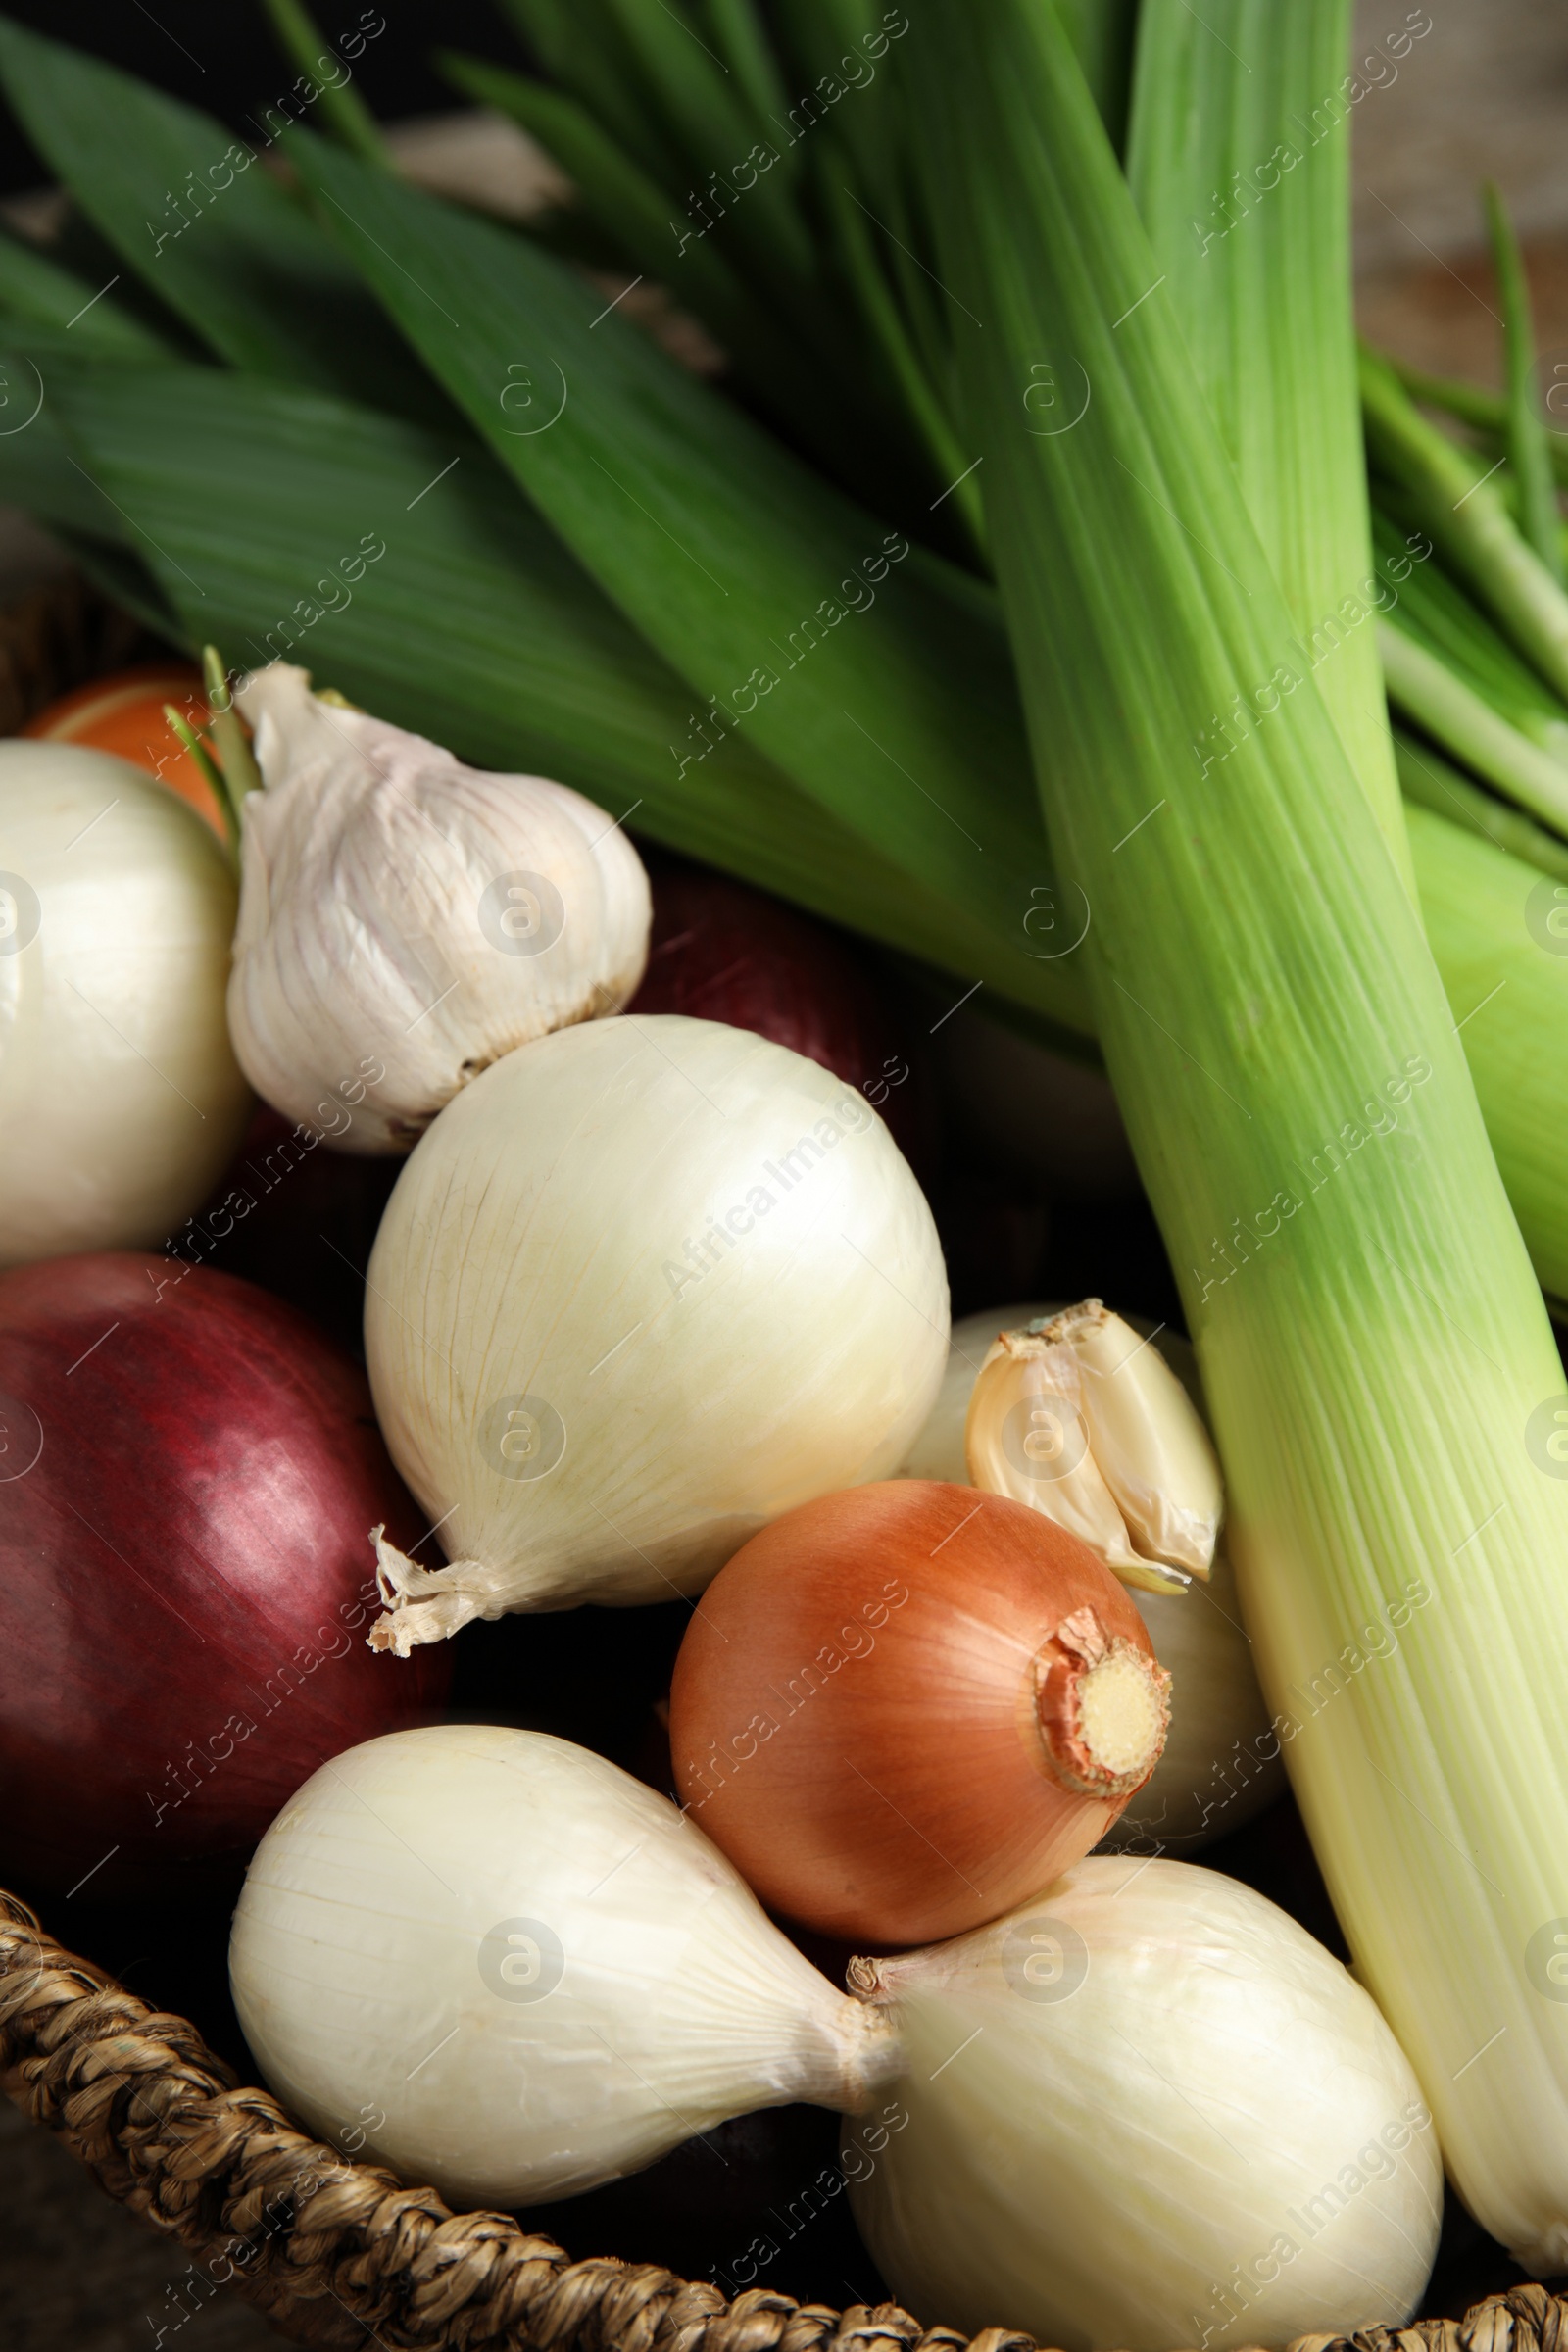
(400, 908)
(1222, 1762)
(1148, 2109)
(645, 1284)
(500, 1965)
(121, 1099)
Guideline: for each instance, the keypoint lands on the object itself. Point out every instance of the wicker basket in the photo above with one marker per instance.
(336, 2253)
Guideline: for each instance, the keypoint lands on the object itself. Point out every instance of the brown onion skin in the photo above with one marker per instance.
(903, 1793)
(187, 1555)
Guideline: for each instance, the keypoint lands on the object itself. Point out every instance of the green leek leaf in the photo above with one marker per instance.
(865, 670)
(1529, 453)
(1432, 782)
(195, 215)
(477, 628)
(37, 292)
(1237, 157)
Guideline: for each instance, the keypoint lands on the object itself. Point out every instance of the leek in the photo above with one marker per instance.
(1428, 779)
(1529, 450)
(343, 111)
(1438, 699)
(505, 655)
(1434, 609)
(1373, 1343)
(1264, 195)
(1461, 507)
(477, 628)
(1484, 412)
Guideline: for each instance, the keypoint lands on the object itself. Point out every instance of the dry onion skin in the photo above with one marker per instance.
(1147, 2109)
(645, 1285)
(500, 1965)
(1222, 1761)
(121, 1099)
(902, 1708)
(400, 907)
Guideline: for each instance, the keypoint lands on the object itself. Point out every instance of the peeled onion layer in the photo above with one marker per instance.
(1148, 2109)
(520, 1973)
(644, 1284)
(121, 1099)
(1222, 1763)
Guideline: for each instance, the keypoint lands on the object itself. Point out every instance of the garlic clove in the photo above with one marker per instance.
(1027, 1436)
(1147, 1437)
(406, 920)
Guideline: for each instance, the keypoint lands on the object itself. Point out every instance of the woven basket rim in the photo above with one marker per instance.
(335, 2252)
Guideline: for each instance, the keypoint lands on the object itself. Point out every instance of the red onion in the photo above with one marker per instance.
(901, 1709)
(191, 1477)
(720, 951)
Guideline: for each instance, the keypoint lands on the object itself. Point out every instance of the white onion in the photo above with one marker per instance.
(401, 907)
(501, 1966)
(643, 1286)
(1148, 2109)
(121, 1099)
(1222, 1762)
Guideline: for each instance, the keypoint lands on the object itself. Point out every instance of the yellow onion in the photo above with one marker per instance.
(900, 1709)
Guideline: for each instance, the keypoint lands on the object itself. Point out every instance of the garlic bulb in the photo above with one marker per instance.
(643, 1286)
(1080, 1418)
(121, 1100)
(1222, 1761)
(398, 904)
(500, 1965)
(1148, 2109)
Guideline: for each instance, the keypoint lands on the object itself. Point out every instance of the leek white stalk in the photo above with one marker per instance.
(500, 1965)
(1222, 1759)
(1381, 1371)
(397, 904)
(121, 1099)
(644, 1284)
(1388, 1401)
(1147, 2109)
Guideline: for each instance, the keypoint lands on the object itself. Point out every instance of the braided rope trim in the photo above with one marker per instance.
(336, 2253)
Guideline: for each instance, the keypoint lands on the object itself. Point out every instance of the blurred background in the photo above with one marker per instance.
(1482, 93)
